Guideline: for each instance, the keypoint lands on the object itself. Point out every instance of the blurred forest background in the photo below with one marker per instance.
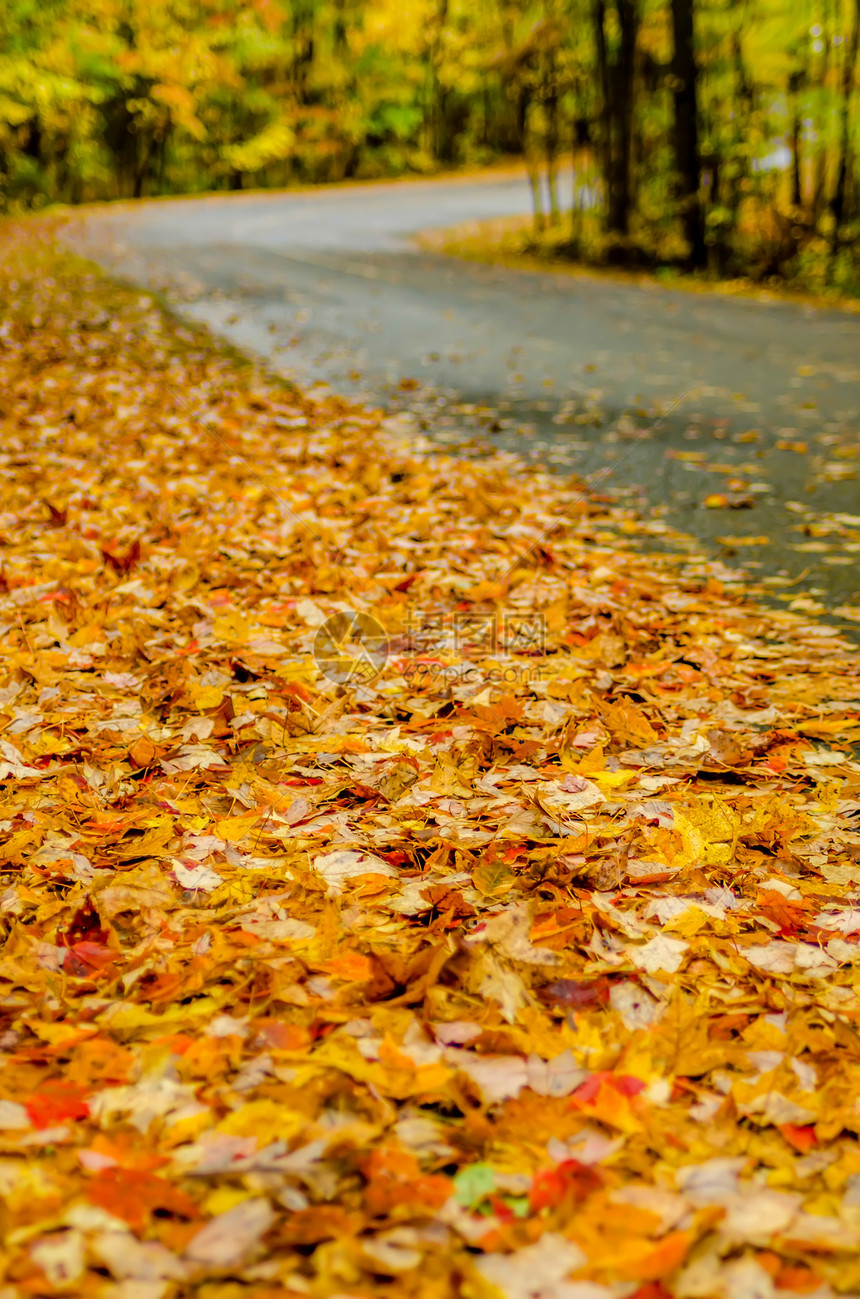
(718, 134)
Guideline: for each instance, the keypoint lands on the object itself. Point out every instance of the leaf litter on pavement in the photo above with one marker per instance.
(520, 961)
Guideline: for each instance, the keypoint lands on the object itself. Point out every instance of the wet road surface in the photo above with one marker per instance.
(670, 397)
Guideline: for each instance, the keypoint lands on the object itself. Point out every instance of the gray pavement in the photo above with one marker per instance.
(760, 400)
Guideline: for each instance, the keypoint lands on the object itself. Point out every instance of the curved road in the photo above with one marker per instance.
(762, 399)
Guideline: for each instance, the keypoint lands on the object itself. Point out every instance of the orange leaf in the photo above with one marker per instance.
(394, 1178)
(797, 1278)
(134, 1195)
(802, 1138)
(664, 1260)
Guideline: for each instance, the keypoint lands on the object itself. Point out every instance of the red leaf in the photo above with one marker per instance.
(87, 958)
(122, 563)
(651, 1290)
(85, 926)
(568, 1180)
(624, 1084)
(54, 1102)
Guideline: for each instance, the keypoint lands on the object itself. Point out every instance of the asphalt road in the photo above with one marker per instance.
(756, 403)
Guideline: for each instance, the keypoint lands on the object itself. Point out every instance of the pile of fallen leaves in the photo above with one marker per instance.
(526, 967)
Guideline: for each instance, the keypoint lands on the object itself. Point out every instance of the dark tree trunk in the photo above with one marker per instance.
(616, 110)
(523, 101)
(162, 160)
(849, 69)
(628, 19)
(685, 93)
(140, 175)
(604, 115)
(796, 184)
(438, 93)
(819, 183)
(32, 146)
(553, 134)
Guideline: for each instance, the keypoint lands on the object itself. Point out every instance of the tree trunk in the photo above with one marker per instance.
(616, 111)
(531, 154)
(552, 139)
(538, 218)
(142, 165)
(796, 183)
(628, 19)
(162, 159)
(685, 92)
(849, 69)
(438, 92)
(819, 184)
(736, 177)
(604, 115)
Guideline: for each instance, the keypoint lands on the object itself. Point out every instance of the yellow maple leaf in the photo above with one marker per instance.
(493, 878)
(239, 890)
(233, 828)
(267, 1120)
(232, 627)
(205, 697)
(688, 922)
